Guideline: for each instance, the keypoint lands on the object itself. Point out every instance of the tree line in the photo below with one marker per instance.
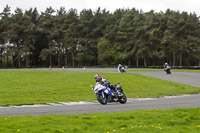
(127, 36)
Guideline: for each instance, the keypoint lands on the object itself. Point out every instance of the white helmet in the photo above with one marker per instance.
(166, 63)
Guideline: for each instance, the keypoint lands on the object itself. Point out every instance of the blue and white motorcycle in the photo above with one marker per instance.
(105, 94)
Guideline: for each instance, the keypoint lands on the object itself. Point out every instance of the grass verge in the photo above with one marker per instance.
(141, 121)
(35, 87)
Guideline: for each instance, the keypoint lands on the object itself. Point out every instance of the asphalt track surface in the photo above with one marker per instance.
(182, 101)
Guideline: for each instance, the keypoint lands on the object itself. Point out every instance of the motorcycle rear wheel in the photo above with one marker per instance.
(102, 100)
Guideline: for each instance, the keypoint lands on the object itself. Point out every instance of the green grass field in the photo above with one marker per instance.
(148, 121)
(35, 87)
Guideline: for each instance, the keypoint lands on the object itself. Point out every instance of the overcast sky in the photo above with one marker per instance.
(189, 6)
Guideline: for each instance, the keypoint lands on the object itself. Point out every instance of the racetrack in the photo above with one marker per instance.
(184, 101)
(189, 78)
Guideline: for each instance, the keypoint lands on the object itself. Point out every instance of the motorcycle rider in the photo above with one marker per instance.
(112, 94)
(102, 82)
(120, 68)
(167, 67)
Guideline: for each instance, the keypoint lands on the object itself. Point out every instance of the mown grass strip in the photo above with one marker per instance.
(141, 121)
(35, 87)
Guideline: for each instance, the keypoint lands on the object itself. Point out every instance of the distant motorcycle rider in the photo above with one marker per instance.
(120, 68)
(167, 68)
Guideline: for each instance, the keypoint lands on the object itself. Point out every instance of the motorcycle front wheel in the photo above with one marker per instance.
(122, 99)
(102, 100)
